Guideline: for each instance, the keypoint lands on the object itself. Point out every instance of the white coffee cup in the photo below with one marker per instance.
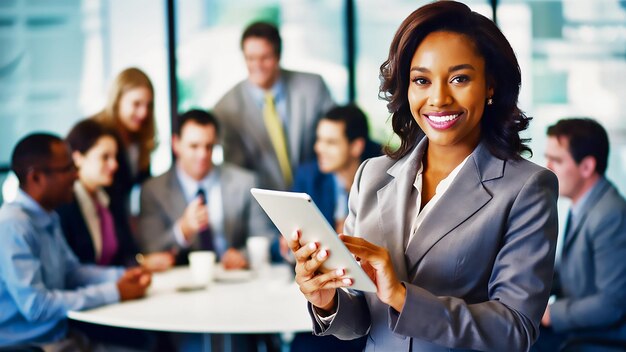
(202, 266)
(258, 252)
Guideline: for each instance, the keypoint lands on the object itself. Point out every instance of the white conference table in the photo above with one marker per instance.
(267, 303)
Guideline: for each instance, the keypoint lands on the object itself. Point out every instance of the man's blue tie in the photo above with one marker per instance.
(205, 235)
(568, 225)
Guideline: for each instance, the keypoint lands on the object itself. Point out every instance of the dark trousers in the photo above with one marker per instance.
(307, 342)
(549, 341)
(606, 340)
(130, 338)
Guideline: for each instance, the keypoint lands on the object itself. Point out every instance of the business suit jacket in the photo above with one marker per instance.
(79, 238)
(163, 203)
(478, 271)
(592, 272)
(245, 139)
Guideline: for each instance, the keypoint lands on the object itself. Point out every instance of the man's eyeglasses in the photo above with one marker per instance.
(71, 167)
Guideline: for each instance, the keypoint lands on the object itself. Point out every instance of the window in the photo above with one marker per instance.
(572, 56)
(59, 57)
(208, 49)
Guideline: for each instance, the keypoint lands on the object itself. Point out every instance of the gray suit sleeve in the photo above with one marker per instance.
(605, 307)
(259, 224)
(156, 230)
(351, 321)
(518, 288)
(233, 145)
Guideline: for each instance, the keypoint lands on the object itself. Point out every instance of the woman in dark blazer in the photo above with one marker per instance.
(455, 228)
(96, 229)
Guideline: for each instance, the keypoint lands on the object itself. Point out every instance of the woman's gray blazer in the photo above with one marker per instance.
(478, 271)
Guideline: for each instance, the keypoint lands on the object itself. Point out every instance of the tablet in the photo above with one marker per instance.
(290, 211)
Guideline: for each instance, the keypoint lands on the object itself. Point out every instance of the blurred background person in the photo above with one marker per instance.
(590, 276)
(197, 205)
(269, 119)
(129, 111)
(96, 230)
(342, 143)
(40, 277)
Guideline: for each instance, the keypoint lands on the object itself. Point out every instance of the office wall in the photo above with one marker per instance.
(58, 58)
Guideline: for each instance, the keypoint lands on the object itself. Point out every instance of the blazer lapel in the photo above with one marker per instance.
(295, 117)
(393, 200)
(598, 192)
(465, 196)
(230, 197)
(175, 200)
(252, 120)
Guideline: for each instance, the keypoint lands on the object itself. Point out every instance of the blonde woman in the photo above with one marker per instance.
(129, 112)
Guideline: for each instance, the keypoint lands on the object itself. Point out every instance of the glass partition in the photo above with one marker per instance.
(208, 46)
(573, 54)
(59, 57)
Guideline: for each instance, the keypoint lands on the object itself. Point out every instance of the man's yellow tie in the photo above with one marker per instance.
(277, 136)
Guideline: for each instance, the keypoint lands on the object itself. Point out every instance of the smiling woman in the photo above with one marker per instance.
(96, 229)
(456, 229)
(129, 112)
(447, 93)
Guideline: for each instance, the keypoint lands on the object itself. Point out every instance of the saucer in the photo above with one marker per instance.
(239, 275)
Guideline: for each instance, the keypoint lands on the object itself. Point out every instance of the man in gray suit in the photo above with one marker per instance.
(197, 205)
(590, 283)
(269, 119)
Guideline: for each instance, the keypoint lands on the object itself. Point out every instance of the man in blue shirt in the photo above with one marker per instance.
(342, 143)
(40, 278)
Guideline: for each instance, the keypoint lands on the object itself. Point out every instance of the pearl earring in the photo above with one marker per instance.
(490, 101)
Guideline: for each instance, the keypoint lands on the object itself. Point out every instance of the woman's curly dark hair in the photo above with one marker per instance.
(502, 121)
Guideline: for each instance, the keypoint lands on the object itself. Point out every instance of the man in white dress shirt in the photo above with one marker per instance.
(198, 205)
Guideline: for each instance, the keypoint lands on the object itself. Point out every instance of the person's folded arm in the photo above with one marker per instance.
(79, 275)
(22, 275)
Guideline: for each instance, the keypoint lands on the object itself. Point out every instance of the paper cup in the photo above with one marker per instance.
(202, 266)
(258, 253)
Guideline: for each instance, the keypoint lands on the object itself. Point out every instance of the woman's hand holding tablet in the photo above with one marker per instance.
(295, 213)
